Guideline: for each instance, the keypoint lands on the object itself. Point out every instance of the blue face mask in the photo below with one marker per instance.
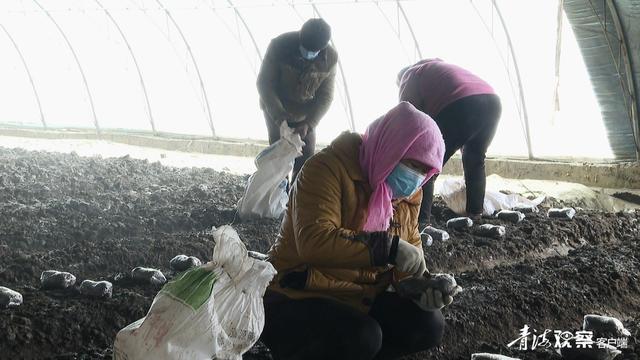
(308, 55)
(404, 181)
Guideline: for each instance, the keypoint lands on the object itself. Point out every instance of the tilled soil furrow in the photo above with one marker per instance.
(100, 218)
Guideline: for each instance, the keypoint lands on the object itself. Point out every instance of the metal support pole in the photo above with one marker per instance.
(517, 93)
(521, 90)
(246, 27)
(344, 80)
(236, 36)
(135, 62)
(26, 68)
(195, 64)
(413, 35)
(556, 85)
(75, 57)
(397, 32)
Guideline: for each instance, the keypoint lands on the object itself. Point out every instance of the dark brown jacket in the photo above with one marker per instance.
(321, 235)
(292, 88)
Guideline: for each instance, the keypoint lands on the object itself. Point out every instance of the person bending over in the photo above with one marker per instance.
(467, 111)
(296, 82)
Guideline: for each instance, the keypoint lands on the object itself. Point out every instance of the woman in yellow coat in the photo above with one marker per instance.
(350, 229)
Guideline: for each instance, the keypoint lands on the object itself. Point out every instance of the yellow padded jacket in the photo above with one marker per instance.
(321, 234)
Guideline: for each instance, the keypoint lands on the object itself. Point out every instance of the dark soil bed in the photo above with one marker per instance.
(99, 218)
(627, 196)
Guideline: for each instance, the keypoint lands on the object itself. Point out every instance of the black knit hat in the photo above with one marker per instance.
(315, 34)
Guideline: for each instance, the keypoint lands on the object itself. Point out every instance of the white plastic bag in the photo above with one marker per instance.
(266, 194)
(453, 192)
(211, 311)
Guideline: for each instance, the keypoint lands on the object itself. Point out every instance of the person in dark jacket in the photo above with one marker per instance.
(467, 111)
(296, 83)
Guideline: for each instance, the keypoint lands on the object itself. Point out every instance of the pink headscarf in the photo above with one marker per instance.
(403, 133)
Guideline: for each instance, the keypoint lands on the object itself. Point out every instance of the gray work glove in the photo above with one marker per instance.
(429, 292)
(410, 259)
(432, 299)
(301, 130)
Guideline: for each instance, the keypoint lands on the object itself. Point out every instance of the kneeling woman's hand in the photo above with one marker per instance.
(432, 299)
(409, 259)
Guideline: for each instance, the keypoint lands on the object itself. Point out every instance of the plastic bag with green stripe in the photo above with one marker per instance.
(213, 311)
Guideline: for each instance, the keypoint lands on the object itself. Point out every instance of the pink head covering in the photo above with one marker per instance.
(403, 133)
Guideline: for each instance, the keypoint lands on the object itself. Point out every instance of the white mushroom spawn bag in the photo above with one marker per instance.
(454, 194)
(211, 311)
(266, 191)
